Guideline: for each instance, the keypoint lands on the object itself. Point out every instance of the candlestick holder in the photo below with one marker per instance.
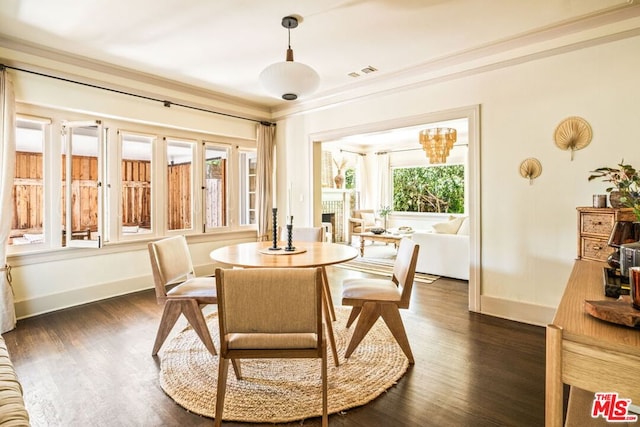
(289, 247)
(275, 231)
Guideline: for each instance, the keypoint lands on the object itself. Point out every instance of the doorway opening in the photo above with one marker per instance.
(371, 152)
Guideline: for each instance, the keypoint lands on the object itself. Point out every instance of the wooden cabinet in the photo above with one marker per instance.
(594, 228)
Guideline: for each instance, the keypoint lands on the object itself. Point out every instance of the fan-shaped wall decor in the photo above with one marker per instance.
(531, 169)
(573, 133)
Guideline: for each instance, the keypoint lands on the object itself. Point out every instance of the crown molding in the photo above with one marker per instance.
(242, 105)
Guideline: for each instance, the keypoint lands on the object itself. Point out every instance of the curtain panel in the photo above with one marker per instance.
(7, 168)
(265, 187)
(384, 177)
(361, 182)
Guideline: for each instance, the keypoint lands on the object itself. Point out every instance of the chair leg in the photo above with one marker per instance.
(327, 294)
(223, 369)
(170, 315)
(192, 311)
(325, 416)
(236, 368)
(329, 327)
(391, 316)
(353, 315)
(368, 316)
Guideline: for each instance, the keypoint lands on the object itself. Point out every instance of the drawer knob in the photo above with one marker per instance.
(596, 247)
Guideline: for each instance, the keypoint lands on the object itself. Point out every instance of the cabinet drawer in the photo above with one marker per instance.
(593, 223)
(595, 249)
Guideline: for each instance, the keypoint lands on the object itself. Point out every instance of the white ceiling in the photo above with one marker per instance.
(222, 45)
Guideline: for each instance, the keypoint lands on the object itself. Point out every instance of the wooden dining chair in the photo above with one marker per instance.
(311, 234)
(269, 313)
(374, 298)
(171, 264)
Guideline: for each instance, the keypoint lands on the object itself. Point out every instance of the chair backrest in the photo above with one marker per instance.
(404, 269)
(303, 234)
(170, 262)
(269, 301)
(358, 213)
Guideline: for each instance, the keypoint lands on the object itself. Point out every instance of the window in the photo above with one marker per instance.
(248, 162)
(82, 184)
(180, 184)
(429, 189)
(136, 215)
(27, 223)
(350, 178)
(215, 186)
(103, 184)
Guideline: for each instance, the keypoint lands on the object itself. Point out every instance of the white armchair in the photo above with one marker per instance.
(361, 221)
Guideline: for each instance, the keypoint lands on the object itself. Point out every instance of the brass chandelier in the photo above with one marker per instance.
(437, 143)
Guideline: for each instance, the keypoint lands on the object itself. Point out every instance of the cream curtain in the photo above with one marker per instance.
(7, 167)
(266, 142)
(361, 182)
(383, 181)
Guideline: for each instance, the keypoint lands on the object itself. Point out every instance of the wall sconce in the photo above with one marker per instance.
(530, 169)
(573, 133)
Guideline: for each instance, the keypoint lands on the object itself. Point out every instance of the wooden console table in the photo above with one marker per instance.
(586, 352)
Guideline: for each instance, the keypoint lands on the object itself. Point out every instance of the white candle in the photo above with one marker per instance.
(273, 192)
(289, 201)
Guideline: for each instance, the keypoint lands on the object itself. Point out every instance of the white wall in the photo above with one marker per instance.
(528, 232)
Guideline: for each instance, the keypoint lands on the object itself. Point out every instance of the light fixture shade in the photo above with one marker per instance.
(289, 80)
(437, 143)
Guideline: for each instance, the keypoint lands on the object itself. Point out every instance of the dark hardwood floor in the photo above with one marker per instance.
(92, 366)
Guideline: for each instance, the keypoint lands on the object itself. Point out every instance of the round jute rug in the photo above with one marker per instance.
(281, 390)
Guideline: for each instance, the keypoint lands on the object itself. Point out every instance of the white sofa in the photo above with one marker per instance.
(444, 254)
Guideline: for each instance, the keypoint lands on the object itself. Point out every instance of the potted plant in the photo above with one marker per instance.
(384, 213)
(625, 183)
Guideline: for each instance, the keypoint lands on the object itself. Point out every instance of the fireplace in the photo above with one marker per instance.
(331, 219)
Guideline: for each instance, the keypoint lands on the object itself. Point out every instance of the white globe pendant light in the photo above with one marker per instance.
(289, 80)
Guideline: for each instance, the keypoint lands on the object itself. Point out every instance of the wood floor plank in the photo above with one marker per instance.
(92, 366)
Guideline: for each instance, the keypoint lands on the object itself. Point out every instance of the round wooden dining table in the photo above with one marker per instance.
(306, 254)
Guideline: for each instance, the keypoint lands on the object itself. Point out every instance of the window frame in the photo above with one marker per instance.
(67, 133)
(116, 187)
(194, 174)
(48, 230)
(244, 184)
(110, 165)
(226, 211)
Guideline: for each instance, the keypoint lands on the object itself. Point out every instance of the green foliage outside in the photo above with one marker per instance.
(350, 178)
(429, 189)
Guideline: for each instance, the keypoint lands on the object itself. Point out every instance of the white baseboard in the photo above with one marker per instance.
(515, 310)
(73, 297)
